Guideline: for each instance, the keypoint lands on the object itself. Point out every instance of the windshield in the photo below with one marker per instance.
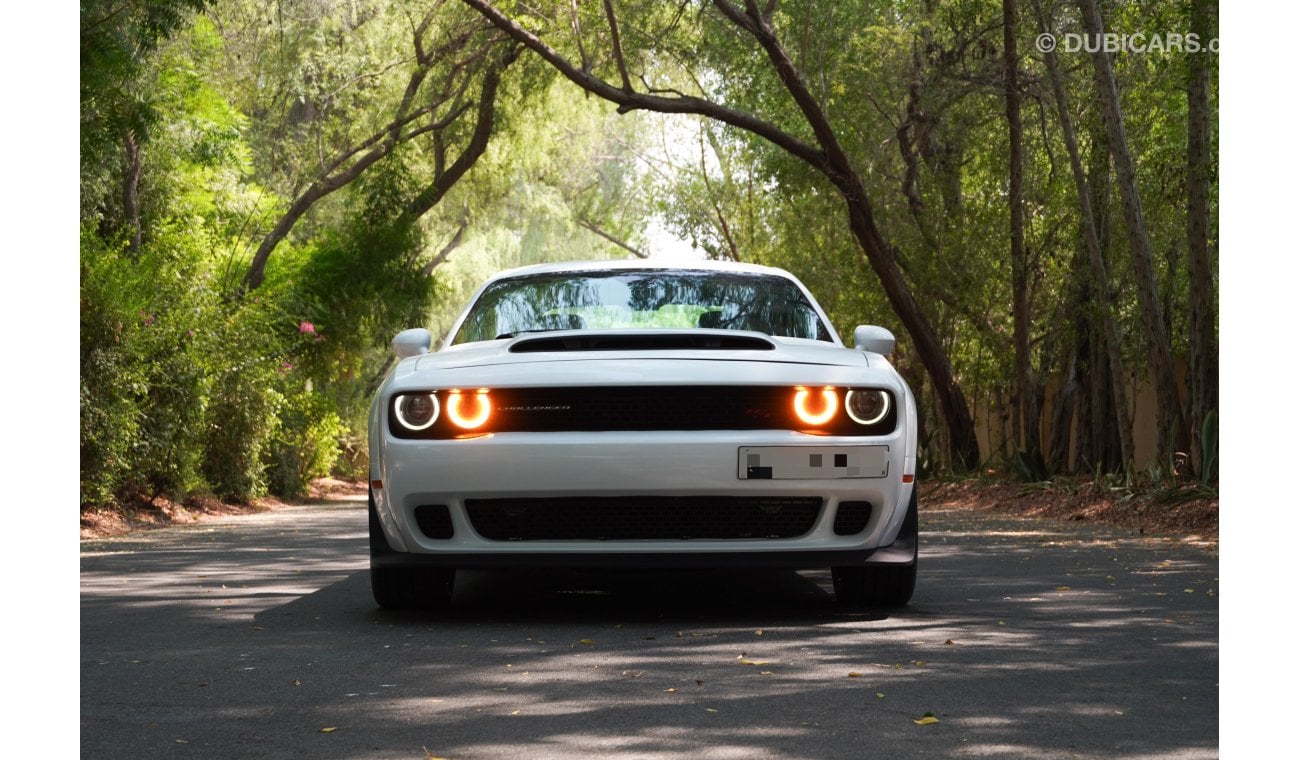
(622, 299)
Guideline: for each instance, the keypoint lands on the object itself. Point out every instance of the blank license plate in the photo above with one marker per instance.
(812, 462)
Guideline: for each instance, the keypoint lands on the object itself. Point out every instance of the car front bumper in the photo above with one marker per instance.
(412, 473)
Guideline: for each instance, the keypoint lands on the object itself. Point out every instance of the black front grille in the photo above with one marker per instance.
(625, 518)
(851, 517)
(666, 407)
(434, 520)
(640, 408)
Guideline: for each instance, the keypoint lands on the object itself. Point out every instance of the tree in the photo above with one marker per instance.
(1203, 377)
(117, 108)
(454, 74)
(827, 156)
(1100, 289)
(1026, 412)
(1171, 424)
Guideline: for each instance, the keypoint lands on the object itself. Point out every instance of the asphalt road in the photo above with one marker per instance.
(256, 637)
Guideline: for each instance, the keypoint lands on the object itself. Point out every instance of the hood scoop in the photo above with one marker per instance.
(708, 340)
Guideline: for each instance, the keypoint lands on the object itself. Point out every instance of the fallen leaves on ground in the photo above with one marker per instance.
(925, 720)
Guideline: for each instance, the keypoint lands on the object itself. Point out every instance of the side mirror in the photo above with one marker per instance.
(412, 342)
(872, 338)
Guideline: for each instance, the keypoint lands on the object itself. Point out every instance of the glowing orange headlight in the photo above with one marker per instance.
(468, 411)
(823, 411)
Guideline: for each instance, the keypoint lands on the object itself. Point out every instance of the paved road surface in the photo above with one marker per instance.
(256, 637)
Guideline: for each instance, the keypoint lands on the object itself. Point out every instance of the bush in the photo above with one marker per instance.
(179, 387)
(142, 389)
(306, 444)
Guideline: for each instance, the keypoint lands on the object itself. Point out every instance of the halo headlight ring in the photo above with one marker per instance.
(867, 406)
(469, 411)
(416, 411)
(816, 412)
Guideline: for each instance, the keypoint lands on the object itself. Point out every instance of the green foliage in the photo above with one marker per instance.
(117, 96)
(248, 342)
(114, 375)
(306, 443)
(142, 382)
(180, 385)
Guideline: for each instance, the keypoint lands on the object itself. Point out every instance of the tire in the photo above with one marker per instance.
(411, 588)
(404, 587)
(881, 586)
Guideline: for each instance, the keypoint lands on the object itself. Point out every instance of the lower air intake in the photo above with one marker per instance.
(851, 517)
(434, 521)
(629, 518)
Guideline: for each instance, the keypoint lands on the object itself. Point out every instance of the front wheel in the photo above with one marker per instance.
(882, 585)
(404, 587)
(411, 588)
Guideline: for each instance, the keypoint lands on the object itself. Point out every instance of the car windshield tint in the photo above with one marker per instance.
(623, 299)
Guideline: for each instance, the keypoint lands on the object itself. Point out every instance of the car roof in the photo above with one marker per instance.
(641, 264)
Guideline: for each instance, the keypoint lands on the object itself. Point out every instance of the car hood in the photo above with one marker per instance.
(586, 357)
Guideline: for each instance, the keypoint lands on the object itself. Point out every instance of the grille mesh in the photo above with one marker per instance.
(640, 408)
(642, 517)
(851, 517)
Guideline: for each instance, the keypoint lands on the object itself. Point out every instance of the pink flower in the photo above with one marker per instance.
(307, 328)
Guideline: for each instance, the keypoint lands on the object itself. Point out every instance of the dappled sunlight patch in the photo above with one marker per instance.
(1195, 644)
(988, 749)
(985, 721)
(741, 740)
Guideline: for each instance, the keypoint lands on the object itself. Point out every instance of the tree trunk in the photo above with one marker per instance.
(1171, 424)
(1096, 259)
(1025, 417)
(1057, 455)
(963, 446)
(131, 192)
(1203, 377)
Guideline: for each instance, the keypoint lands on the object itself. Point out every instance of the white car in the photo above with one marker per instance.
(641, 415)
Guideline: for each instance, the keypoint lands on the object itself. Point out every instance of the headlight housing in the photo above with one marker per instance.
(816, 407)
(867, 406)
(843, 411)
(416, 411)
(442, 413)
(468, 411)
